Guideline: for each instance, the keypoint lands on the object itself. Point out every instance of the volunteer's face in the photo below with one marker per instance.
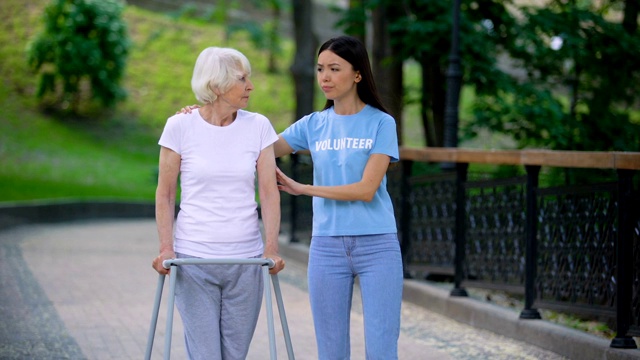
(336, 76)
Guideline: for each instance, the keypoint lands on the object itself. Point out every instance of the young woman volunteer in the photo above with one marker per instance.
(352, 141)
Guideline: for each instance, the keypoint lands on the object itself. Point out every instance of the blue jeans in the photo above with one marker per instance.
(334, 263)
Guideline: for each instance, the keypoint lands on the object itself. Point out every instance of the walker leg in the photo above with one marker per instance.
(170, 304)
(283, 316)
(154, 317)
(173, 265)
(269, 306)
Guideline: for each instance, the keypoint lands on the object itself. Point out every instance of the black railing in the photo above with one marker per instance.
(573, 248)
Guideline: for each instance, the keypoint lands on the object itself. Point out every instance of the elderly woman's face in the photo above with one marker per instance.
(238, 95)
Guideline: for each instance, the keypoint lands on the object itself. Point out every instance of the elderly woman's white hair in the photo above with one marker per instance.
(216, 70)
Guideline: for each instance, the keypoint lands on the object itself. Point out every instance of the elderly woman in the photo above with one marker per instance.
(217, 151)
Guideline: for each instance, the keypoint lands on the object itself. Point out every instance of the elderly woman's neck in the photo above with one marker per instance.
(217, 114)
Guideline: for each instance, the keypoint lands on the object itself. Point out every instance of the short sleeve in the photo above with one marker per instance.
(296, 135)
(268, 135)
(387, 139)
(171, 134)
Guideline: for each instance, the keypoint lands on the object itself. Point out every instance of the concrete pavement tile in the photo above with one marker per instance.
(30, 327)
(97, 275)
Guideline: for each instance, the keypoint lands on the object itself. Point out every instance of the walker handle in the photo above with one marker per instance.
(223, 261)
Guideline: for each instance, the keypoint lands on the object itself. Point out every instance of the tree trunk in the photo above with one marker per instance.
(358, 29)
(274, 37)
(387, 68)
(303, 65)
(303, 71)
(630, 20)
(432, 101)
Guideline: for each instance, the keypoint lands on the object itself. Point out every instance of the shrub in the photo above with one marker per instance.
(82, 50)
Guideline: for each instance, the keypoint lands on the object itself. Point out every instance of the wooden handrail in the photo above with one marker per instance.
(556, 158)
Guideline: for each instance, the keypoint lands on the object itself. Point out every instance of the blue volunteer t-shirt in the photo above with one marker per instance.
(340, 147)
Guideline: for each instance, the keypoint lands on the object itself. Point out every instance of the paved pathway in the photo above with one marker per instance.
(84, 290)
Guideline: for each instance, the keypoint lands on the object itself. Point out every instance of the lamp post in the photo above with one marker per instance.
(454, 80)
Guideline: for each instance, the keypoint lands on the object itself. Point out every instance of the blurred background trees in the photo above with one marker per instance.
(557, 74)
(549, 74)
(579, 90)
(81, 53)
(536, 74)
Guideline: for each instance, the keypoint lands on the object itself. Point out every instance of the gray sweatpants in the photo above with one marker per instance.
(219, 306)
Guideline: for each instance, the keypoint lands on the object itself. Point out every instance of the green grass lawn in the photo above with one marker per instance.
(114, 156)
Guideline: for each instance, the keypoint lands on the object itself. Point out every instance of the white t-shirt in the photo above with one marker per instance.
(218, 215)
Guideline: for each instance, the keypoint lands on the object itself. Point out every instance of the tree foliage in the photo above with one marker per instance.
(83, 47)
(263, 33)
(580, 95)
(579, 88)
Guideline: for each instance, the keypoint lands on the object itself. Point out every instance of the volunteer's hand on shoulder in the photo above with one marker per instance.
(188, 109)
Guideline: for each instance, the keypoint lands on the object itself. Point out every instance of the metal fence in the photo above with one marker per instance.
(571, 247)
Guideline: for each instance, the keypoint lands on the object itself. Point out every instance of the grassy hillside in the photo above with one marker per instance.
(115, 156)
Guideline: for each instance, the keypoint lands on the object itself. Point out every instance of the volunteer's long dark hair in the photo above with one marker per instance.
(353, 51)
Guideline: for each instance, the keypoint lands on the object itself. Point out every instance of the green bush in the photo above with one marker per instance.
(81, 52)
